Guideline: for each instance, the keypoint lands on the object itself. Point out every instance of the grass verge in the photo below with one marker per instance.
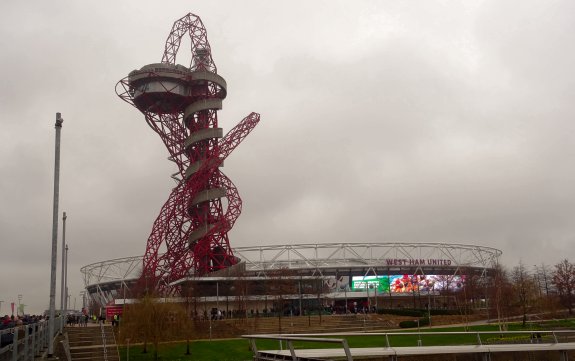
(238, 349)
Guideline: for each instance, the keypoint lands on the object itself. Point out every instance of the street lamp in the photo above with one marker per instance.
(429, 305)
(232, 290)
(63, 282)
(83, 294)
(345, 296)
(376, 286)
(368, 299)
(54, 256)
(65, 286)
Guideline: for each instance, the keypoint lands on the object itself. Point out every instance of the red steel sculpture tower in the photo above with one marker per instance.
(190, 236)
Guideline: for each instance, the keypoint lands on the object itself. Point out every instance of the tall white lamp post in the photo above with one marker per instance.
(63, 282)
(54, 255)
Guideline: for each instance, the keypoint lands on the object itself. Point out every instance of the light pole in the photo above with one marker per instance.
(429, 305)
(83, 294)
(300, 296)
(372, 286)
(63, 282)
(19, 302)
(368, 300)
(54, 256)
(66, 295)
(345, 295)
(375, 286)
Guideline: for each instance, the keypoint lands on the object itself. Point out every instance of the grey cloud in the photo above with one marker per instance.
(445, 121)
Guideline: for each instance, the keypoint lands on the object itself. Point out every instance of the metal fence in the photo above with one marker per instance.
(24, 342)
(484, 343)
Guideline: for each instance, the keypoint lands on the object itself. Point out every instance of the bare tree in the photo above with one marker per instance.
(543, 275)
(473, 287)
(187, 325)
(282, 282)
(240, 290)
(320, 290)
(500, 292)
(136, 321)
(151, 320)
(524, 288)
(467, 293)
(564, 281)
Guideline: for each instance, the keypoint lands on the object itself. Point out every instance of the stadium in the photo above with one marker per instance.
(343, 277)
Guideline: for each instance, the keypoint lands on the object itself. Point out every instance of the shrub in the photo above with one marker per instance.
(411, 324)
(401, 312)
(408, 324)
(444, 312)
(417, 312)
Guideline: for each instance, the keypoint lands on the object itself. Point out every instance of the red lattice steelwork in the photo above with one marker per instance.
(190, 236)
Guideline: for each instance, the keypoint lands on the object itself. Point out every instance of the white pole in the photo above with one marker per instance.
(63, 282)
(66, 295)
(368, 300)
(54, 255)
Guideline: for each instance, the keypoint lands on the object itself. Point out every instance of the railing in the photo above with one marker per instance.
(114, 343)
(476, 342)
(289, 341)
(105, 348)
(66, 345)
(24, 342)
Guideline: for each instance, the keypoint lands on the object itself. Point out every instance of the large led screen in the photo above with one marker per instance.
(408, 283)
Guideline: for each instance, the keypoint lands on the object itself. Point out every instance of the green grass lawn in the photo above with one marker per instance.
(216, 350)
(238, 349)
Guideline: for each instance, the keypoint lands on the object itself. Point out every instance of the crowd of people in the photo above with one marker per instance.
(77, 320)
(8, 322)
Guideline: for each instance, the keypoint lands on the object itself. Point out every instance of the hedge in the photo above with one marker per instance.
(417, 312)
(411, 324)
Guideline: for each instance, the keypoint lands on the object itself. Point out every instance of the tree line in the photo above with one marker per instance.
(524, 290)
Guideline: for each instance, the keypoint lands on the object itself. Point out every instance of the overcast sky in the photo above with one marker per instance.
(423, 121)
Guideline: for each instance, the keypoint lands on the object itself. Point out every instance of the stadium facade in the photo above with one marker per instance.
(345, 275)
